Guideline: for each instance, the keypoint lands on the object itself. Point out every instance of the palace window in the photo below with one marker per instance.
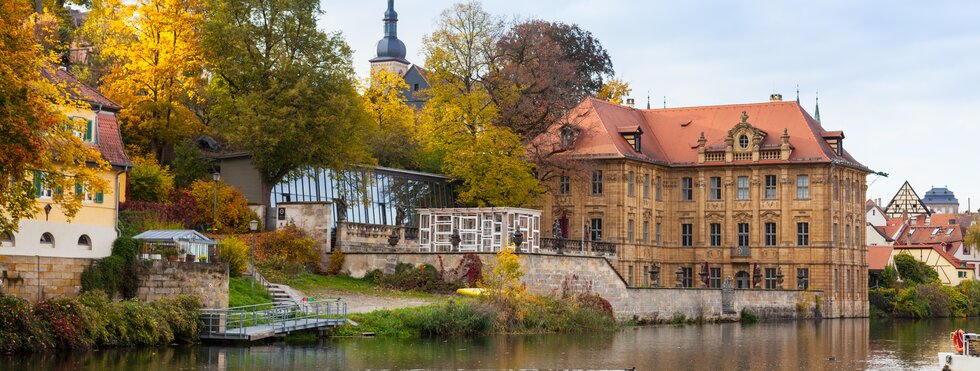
(770, 234)
(743, 188)
(836, 189)
(847, 192)
(629, 275)
(646, 231)
(803, 187)
(770, 279)
(646, 277)
(715, 234)
(833, 233)
(564, 185)
(802, 278)
(857, 193)
(687, 234)
(847, 236)
(743, 141)
(687, 189)
(687, 277)
(714, 278)
(803, 234)
(646, 185)
(715, 191)
(633, 139)
(770, 187)
(595, 229)
(630, 189)
(629, 230)
(857, 237)
(657, 233)
(743, 234)
(597, 182)
(659, 188)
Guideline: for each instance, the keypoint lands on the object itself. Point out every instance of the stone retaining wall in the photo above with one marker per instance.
(163, 279)
(58, 276)
(551, 274)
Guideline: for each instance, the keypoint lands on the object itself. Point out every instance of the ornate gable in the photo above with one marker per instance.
(906, 203)
(743, 137)
(744, 143)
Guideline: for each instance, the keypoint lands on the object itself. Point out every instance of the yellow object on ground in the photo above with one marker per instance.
(471, 292)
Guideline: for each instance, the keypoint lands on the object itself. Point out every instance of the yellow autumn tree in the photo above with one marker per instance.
(39, 145)
(153, 66)
(393, 140)
(614, 90)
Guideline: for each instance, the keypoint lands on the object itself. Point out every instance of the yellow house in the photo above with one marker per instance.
(951, 270)
(49, 245)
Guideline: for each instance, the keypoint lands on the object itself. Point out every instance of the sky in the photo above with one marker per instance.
(900, 78)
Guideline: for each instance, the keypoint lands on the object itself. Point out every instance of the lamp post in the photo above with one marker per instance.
(253, 226)
(217, 177)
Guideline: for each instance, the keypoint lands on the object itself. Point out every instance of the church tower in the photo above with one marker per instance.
(391, 51)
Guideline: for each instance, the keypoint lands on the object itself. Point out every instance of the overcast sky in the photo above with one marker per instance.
(900, 78)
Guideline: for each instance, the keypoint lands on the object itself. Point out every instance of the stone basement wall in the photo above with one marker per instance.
(164, 279)
(58, 276)
(550, 274)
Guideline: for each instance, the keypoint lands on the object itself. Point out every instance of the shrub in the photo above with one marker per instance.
(375, 276)
(882, 299)
(181, 316)
(336, 262)
(424, 278)
(235, 253)
(116, 273)
(971, 290)
(20, 330)
(746, 316)
(913, 271)
(909, 304)
(290, 245)
(64, 320)
(453, 319)
(888, 277)
(149, 181)
(189, 164)
(233, 212)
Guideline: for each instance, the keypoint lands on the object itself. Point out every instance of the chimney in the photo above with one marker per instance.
(630, 102)
(775, 97)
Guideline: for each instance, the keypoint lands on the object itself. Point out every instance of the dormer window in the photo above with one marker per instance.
(632, 135)
(743, 141)
(568, 136)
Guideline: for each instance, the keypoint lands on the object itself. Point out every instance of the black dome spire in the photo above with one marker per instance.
(390, 47)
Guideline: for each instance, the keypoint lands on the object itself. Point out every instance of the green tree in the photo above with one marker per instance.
(284, 91)
(393, 141)
(913, 271)
(458, 125)
(149, 181)
(614, 91)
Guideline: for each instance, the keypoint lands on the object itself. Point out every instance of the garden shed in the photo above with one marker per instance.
(186, 244)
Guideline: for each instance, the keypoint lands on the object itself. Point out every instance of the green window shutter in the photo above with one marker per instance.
(37, 184)
(88, 131)
(78, 190)
(99, 198)
(57, 190)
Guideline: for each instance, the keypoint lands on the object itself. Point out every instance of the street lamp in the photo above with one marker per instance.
(253, 226)
(217, 177)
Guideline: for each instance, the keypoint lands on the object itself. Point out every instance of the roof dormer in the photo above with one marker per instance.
(632, 134)
(835, 139)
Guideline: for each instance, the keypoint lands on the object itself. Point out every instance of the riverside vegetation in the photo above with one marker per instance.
(920, 294)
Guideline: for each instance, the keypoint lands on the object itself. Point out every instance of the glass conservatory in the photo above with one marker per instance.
(479, 229)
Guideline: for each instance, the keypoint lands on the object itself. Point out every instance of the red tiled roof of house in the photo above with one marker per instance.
(84, 92)
(878, 257)
(110, 141)
(670, 136)
(882, 231)
(939, 248)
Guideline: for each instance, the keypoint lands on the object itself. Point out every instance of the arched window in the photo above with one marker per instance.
(85, 242)
(47, 240)
(743, 141)
(6, 239)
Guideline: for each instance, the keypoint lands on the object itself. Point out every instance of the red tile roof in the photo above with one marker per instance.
(82, 91)
(878, 257)
(670, 136)
(110, 141)
(938, 248)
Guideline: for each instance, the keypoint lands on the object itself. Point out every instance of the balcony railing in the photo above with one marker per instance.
(578, 247)
(741, 252)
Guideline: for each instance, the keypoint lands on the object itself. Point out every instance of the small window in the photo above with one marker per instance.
(803, 234)
(715, 193)
(657, 234)
(415, 87)
(715, 234)
(85, 242)
(687, 277)
(770, 187)
(743, 188)
(646, 185)
(687, 189)
(630, 188)
(743, 234)
(47, 240)
(595, 230)
(803, 187)
(847, 236)
(646, 231)
(857, 237)
(597, 182)
(6, 239)
(802, 278)
(834, 236)
(629, 230)
(629, 275)
(658, 189)
(687, 235)
(771, 279)
(961, 274)
(770, 234)
(564, 185)
(714, 278)
(743, 141)
(836, 189)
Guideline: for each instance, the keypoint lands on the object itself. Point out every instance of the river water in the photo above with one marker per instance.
(856, 344)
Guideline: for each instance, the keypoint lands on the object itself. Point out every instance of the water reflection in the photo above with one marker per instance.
(829, 344)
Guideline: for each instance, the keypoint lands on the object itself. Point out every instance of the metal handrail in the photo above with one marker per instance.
(281, 317)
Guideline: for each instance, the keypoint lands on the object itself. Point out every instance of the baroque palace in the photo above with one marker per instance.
(760, 196)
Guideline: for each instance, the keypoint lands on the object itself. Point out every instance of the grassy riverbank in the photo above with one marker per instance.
(93, 321)
(241, 293)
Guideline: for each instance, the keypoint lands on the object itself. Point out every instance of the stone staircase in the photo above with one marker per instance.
(281, 294)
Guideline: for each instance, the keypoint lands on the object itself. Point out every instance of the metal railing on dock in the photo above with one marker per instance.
(253, 322)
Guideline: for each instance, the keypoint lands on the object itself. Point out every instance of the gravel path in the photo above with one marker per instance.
(362, 303)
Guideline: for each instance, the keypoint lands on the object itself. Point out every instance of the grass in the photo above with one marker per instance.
(311, 284)
(241, 293)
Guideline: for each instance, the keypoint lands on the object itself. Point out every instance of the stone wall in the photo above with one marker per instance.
(58, 276)
(163, 279)
(551, 274)
(361, 237)
(314, 218)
